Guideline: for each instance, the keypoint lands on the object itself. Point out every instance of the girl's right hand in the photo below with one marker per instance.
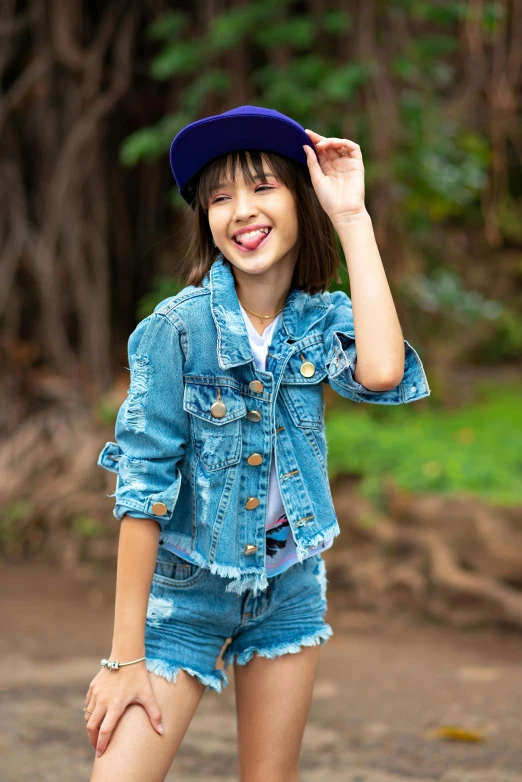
(109, 694)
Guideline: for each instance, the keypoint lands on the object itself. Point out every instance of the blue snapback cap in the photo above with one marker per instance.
(245, 127)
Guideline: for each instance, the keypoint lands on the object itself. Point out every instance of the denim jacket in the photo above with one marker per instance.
(200, 424)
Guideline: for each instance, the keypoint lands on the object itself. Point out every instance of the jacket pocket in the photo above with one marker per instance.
(306, 406)
(306, 367)
(302, 387)
(217, 440)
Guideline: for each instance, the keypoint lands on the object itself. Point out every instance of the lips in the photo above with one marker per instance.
(247, 249)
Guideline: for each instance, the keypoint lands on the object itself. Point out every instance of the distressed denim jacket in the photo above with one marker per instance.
(199, 415)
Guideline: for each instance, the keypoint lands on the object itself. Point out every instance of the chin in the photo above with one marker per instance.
(254, 265)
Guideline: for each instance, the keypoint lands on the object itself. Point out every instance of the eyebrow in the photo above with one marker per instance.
(265, 175)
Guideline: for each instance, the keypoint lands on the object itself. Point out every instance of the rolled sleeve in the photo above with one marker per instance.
(152, 429)
(341, 360)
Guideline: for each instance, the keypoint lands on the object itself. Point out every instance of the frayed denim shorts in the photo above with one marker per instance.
(190, 617)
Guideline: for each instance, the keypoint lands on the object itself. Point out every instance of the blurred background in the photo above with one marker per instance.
(426, 580)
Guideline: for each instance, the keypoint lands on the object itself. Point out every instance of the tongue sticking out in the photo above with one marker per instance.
(253, 241)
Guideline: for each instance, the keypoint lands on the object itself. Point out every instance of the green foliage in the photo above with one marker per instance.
(336, 21)
(474, 449)
(181, 57)
(343, 83)
(510, 219)
(440, 167)
(11, 513)
(443, 292)
(153, 141)
(163, 287)
(297, 32)
(227, 30)
(505, 342)
(87, 526)
(169, 26)
(105, 412)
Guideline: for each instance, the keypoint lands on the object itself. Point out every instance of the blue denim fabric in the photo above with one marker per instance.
(180, 465)
(190, 616)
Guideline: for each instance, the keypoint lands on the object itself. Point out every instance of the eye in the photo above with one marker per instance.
(261, 187)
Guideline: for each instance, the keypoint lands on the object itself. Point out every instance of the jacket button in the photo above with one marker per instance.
(256, 385)
(218, 409)
(307, 369)
(254, 415)
(255, 459)
(250, 549)
(251, 503)
(159, 509)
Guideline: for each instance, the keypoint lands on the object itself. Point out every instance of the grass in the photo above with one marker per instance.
(476, 449)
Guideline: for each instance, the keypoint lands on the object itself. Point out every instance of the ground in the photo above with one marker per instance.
(383, 686)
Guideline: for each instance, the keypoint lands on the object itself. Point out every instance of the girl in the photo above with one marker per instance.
(220, 454)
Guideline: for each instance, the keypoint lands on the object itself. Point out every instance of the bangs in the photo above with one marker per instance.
(226, 168)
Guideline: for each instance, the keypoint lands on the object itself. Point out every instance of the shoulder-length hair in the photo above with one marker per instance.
(319, 258)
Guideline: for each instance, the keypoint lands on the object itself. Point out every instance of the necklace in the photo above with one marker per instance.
(262, 317)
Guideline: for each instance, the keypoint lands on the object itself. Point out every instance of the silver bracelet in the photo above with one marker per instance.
(113, 665)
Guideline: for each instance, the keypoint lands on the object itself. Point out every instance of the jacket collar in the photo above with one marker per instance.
(302, 311)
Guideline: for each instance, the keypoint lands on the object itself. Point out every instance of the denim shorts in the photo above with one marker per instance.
(190, 617)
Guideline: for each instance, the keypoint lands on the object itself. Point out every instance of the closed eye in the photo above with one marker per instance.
(262, 187)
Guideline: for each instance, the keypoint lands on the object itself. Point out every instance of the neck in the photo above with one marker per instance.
(262, 295)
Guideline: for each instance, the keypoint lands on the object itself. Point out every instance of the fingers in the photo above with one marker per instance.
(89, 709)
(337, 145)
(152, 709)
(94, 721)
(106, 728)
(316, 172)
(313, 135)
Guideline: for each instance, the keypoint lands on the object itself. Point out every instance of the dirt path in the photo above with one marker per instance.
(380, 690)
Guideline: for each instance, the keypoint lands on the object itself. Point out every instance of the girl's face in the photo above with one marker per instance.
(238, 205)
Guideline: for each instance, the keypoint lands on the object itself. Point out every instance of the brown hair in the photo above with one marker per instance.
(319, 258)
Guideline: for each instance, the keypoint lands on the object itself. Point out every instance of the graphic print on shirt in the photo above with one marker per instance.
(277, 536)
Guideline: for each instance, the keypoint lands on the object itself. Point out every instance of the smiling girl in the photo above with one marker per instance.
(220, 453)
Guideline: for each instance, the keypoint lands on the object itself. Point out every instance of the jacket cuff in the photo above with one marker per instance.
(140, 486)
(341, 363)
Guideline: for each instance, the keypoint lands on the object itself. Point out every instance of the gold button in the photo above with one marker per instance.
(255, 459)
(250, 549)
(254, 415)
(218, 409)
(159, 509)
(256, 385)
(307, 369)
(251, 503)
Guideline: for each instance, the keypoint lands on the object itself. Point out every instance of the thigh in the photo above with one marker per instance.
(273, 698)
(136, 752)
(275, 655)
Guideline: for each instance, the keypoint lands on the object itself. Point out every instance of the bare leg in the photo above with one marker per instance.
(273, 699)
(136, 752)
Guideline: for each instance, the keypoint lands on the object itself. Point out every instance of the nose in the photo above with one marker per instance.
(244, 207)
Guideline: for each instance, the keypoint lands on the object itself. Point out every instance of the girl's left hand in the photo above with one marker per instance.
(338, 179)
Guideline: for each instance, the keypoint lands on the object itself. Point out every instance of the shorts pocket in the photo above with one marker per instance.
(173, 570)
